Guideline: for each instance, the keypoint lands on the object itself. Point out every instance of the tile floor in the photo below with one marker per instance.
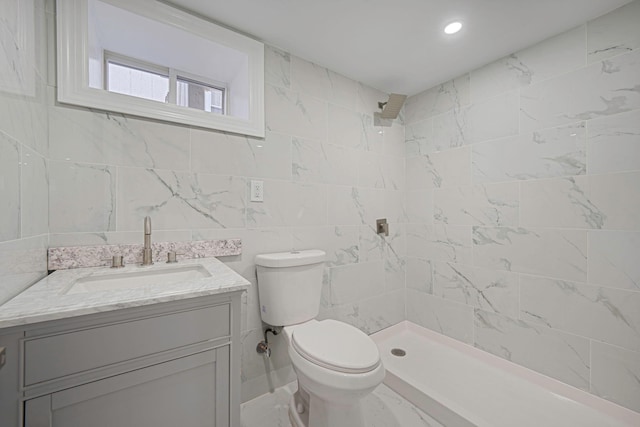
(383, 408)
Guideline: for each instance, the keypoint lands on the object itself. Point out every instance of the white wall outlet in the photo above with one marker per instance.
(257, 191)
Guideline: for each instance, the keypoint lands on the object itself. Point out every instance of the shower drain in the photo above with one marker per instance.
(398, 352)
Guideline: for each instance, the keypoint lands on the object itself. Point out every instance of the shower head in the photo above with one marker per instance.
(391, 108)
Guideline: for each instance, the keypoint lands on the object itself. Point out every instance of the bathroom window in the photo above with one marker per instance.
(149, 59)
(130, 76)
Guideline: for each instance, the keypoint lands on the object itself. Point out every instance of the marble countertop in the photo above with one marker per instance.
(48, 299)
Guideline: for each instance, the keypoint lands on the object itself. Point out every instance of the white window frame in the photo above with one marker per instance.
(73, 71)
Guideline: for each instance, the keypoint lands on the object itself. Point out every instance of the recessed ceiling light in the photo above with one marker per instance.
(453, 28)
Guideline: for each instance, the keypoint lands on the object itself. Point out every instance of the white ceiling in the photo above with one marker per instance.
(398, 45)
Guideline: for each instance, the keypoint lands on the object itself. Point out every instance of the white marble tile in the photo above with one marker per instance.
(268, 410)
(354, 282)
(437, 100)
(369, 314)
(296, 114)
(419, 206)
(557, 253)
(614, 33)
(322, 83)
(613, 143)
(446, 317)
(394, 140)
(119, 238)
(367, 99)
(601, 89)
(490, 290)
(24, 119)
(374, 247)
(229, 154)
(354, 206)
(382, 408)
(615, 375)
(560, 202)
(81, 135)
(490, 204)
(9, 188)
(82, 197)
(419, 140)
(289, 204)
(443, 169)
(551, 57)
(254, 364)
(394, 206)
(419, 274)
(172, 199)
(550, 352)
(489, 119)
(353, 129)
(257, 386)
(34, 189)
(605, 314)
(341, 244)
(22, 263)
(446, 243)
(613, 259)
(380, 171)
(314, 161)
(18, 47)
(544, 153)
(395, 272)
(618, 195)
(277, 67)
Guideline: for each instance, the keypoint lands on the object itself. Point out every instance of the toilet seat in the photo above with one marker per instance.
(336, 346)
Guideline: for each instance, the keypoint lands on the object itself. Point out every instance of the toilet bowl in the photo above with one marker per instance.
(336, 364)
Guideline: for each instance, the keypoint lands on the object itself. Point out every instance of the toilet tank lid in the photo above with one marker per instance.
(291, 259)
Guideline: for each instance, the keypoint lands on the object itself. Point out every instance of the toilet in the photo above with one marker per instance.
(337, 365)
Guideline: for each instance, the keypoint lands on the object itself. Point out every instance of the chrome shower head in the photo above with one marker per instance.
(392, 107)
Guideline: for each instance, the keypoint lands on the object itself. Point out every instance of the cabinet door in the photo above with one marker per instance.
(192, 391)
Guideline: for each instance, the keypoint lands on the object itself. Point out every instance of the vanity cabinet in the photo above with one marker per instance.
(192, 391)
(164, 365)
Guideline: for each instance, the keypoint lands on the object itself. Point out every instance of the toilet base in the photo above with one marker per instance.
(322, 413)
(297, 419)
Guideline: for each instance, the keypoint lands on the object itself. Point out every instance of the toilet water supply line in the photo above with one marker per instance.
(263, 346)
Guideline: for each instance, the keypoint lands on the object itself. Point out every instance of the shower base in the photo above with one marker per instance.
(462, 386)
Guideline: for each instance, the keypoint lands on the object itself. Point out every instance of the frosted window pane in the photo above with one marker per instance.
(198, 95)
(138, 83)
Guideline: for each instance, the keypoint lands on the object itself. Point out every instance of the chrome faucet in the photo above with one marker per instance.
(147, 255)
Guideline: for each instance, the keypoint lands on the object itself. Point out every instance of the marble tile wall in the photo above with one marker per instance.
(24, 172)
(328, 175)
(523, 207)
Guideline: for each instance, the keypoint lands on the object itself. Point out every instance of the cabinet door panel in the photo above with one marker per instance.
(180, 392)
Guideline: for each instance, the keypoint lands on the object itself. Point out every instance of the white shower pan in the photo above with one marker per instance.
(462, 386)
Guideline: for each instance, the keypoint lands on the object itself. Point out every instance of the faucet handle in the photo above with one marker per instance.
(117, 261)
(172, 257)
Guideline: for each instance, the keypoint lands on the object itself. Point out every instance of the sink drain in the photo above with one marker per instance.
(398, 352)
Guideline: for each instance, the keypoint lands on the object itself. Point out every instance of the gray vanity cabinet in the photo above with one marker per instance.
(192, 391)
(174, 364)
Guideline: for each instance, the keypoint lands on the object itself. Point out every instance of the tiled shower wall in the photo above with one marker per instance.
(523, 201)
(328, 174)
(23, 147)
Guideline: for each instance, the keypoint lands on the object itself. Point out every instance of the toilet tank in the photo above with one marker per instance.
(289, 286)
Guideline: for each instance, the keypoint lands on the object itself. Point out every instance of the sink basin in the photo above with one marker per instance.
(139, 279)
